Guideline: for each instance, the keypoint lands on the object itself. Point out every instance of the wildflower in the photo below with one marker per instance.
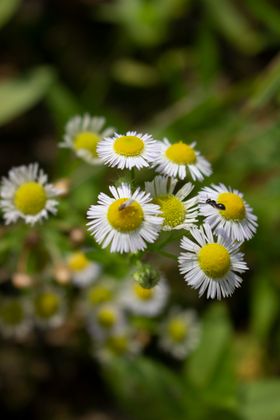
(99, 293)
(14, 317)
(82, 269)
(106, 319)
(49, 308)
(179, 333)
(179, 159)
(237, 219)
(177, 212)
(25, 194)
(82, 134)
(128, 150)
(146, 275)
(126, 222)
(142, 301)
(210, 264)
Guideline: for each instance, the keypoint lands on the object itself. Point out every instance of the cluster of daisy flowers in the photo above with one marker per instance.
(213, 222)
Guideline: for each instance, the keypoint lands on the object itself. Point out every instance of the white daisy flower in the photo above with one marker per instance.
(126, 222)
(142, 301)
(121, 343)
(177, 212)
(179, 159)
(128, 150)
(49, 308)
(25, 194)
(236, 217)
(101, 292)
(14, 317)
(180, 333)
(211, 264)
(83, 271)
(106, 319)
(82, 134)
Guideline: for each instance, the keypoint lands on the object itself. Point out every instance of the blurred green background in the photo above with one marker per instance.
(200, 70)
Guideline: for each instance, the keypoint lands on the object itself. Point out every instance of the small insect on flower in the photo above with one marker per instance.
(213, 203)
(82, 135)
(128, 150)
(127, 221)
(228, 211)
(25, 194)
(211, 263)
(180, 159)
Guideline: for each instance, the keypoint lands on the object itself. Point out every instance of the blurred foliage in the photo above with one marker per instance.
(185, 69)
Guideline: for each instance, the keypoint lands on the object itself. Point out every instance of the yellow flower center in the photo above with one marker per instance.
(87, 141)
(118, 344)
(12, 313)
(125, 219)
(173, 210)
(30, 198)
(47, 304)
(107, 317)
(128, 146)
(214, 260)
(177, 330)
(99, 294)
(78, 261)
(234, 206)
(181, 153)
(142, 293)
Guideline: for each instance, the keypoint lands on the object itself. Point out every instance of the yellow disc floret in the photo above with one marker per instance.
(78, 262)
(125, 219)
(173, 210)
(177, 329)
(118, 344)
(107, 317)
(234, 206)
(87, 141)
(214, 260)
(99, 294)
(47, 304)
(142, 293)
(30, 198)
(128, 145)
(181, 153)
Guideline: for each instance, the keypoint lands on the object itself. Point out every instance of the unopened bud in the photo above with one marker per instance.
(146, 275)
(62, 274)
(63, 186)
(77, 236)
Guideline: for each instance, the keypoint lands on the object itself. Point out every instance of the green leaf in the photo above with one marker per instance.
(18, 95)
(146, 390)
(7, 9)
(264, 306)
(210, 368)
(260, 400)
(234, 26)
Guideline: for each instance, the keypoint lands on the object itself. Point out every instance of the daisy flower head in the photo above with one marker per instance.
(106, 319)
(180, 159)
(210, 264)
(14, 317)
(177, 212)
(126, 221)
(121, 343)
(128, 150)
(83, 270)
(49, 308)
(142, 301)
(100, 293)
(25, 194)
(82, 134)
(180, 333)
(235, 216)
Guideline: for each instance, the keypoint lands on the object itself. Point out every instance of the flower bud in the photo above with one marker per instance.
(146, 275)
